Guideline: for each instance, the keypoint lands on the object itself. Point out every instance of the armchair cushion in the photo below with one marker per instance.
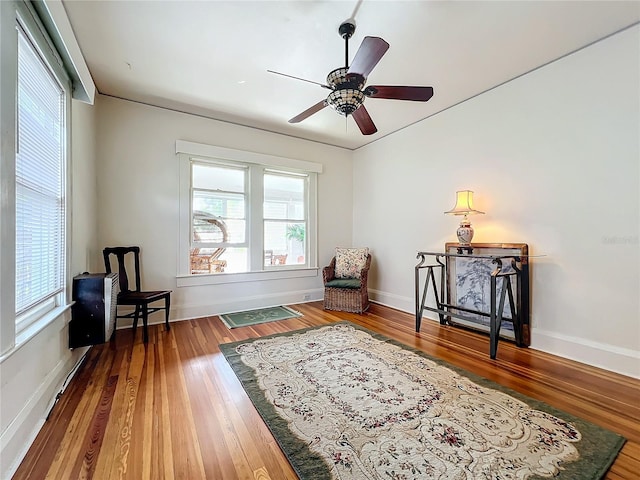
(344, 283)
(350, 262)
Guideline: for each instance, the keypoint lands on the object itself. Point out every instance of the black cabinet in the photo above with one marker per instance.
(93, 315)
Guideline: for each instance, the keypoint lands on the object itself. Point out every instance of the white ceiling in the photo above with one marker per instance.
(211, 57)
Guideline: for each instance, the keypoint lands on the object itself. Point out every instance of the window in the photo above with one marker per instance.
(241, 217)
(285, 219)
(40, 186)
(219, 225)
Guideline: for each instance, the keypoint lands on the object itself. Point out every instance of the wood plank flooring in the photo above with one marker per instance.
(173, 409)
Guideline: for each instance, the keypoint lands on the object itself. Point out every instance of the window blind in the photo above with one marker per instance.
(40, 186)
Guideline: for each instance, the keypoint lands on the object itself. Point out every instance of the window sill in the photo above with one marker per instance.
(23, 337)
(223, 278)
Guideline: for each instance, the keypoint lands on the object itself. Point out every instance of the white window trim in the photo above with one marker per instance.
(212, 151)
(219, 279)
(54, 17)
(10, 11)
(37, 318)
(186, 151)
(33, 314)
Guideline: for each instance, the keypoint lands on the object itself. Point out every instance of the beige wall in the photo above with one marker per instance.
(553, 158)
(138, 200)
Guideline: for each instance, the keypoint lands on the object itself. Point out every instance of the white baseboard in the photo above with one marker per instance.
(17, 438)
(601, 355)
(620, 360)
(399, 302)
(235, 304)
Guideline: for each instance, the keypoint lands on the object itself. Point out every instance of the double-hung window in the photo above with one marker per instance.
(243, 212)
(40, 184)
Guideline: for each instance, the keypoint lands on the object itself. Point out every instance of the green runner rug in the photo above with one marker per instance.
(254, 317)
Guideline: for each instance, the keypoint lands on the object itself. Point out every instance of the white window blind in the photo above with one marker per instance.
(40, 185)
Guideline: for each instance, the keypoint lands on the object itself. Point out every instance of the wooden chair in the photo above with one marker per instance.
(271, 259)
(346, 294)
(136, 298)
(279, 259)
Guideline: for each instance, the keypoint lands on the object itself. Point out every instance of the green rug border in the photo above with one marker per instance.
(306, 464)
(294, 314)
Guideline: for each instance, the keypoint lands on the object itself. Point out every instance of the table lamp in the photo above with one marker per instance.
(464, 206)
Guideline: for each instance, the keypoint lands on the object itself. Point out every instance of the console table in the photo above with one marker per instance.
(508, 278)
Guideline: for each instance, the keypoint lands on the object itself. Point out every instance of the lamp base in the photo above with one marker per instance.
(465, 233)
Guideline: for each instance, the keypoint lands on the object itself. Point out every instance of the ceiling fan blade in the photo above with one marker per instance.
(368, 55)
(418, 94)
(303, 79)
(309, 111)
(362, 118)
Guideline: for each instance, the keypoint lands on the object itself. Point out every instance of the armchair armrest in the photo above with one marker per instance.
(329, 273)
(364, 273)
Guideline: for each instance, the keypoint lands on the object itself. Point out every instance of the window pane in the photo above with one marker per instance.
(284, 202)
(275, 236)
(284, 243)
(221, 260)
(40, 212)
(284, 197)
(213, 177)
(296, 235)
(237, 260)
(219, 204)
(228, 208)
(209, 229)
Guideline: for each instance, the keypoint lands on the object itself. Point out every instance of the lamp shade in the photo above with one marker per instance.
(464, 204)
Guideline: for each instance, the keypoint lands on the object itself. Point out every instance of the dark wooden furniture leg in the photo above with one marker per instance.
(167, 304)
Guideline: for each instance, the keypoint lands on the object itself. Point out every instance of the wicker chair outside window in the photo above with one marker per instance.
(205, 260)
(346, 294)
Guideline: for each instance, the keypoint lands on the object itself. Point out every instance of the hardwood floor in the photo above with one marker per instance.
(173, 409)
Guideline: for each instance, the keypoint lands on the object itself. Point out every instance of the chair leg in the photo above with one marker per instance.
(115, 326)
(135, 320)
(145, 315)
(167, 304)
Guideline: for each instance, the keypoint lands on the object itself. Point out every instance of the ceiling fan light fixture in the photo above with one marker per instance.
(341, 78)
(337, 77)
(346, 100)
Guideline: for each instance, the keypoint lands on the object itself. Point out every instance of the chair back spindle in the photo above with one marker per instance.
(121, 258)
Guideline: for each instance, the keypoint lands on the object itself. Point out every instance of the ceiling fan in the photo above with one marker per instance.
(346, 83)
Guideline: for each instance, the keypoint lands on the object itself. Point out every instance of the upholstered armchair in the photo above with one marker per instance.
(345, 280)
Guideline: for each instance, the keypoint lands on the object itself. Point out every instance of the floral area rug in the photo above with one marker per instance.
(346, 403)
